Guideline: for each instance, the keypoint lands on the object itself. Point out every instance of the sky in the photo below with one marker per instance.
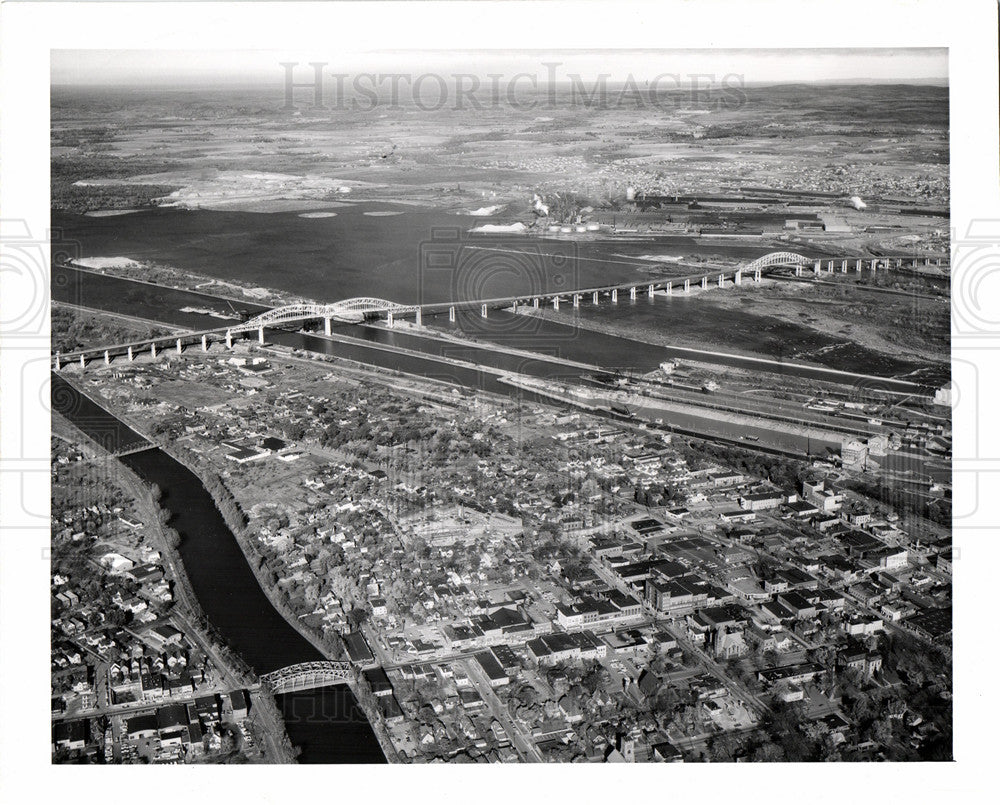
(231, 68)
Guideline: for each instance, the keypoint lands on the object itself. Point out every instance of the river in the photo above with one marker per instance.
(551, 343)
(326, 724)
(416, 255)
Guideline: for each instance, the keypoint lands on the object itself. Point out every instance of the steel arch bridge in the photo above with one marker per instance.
(307, 675)
(777, 259)
(348, 309)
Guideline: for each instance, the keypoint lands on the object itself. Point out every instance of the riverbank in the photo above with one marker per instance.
(815, 319)
(234, 517)
(238, 676)
(241, 609)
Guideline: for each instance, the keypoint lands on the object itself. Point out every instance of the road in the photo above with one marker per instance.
(751, 699)
(521, 742)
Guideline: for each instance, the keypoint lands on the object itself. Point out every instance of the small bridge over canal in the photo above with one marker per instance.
(307, 676)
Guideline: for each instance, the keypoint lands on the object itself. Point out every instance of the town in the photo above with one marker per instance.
(512, 580)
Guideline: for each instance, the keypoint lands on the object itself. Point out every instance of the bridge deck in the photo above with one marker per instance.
(768, 263)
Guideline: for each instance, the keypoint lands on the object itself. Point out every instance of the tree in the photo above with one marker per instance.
(357, 616)
(768, 752)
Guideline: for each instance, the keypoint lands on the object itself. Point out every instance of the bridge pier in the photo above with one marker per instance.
(829, 267)
(798, 271)
(687, 286)
(83, 362)
(555, 303)
(704, 283)
(597, 298)
(131, 355)
(483, 312)
(939, 261)
(229, 339)
(649, 292)
(534, 303)
(576, 300)
(513, 308)
(927, 261)
(632, 293)
(857, 266)
(204, 343)
(58, 361)
(419, 320)
(899, 262)
(152, 350)
(738, 277)
(179, 349)
(328, 326)
(451, 314)
(670, 289)
(107, 358)
(843, 266)
(614, 295)
(817, 269)
(260, 336)
(722, 280)
(757, 274)
(390, 320)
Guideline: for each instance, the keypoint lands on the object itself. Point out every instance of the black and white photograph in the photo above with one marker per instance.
(557, 399)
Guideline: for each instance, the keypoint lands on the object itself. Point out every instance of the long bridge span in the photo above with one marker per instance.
(307, 676)
(360, 309)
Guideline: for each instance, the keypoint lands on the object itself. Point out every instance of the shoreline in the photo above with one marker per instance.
(247, 550)
(231, 664)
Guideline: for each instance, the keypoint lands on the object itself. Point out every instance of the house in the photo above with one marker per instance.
(143, 726)
(797, 604)
(559, 646)
(378, 681)
(682, 594)
(507, 658)
(893, 611)
(893, 559)
(943, 562)
(792, 674)
(801, 509)
(666, 752)
(727, 643)
(163, 637)
(860, 626)
(116, 564)
(240, 703)
(866, 592)
(824, 499)
(205, 710)
(759, 501)
(357, 649)
(738, 516)
(648, 684)
(492, 669)
(70, 735)
(857, 658)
